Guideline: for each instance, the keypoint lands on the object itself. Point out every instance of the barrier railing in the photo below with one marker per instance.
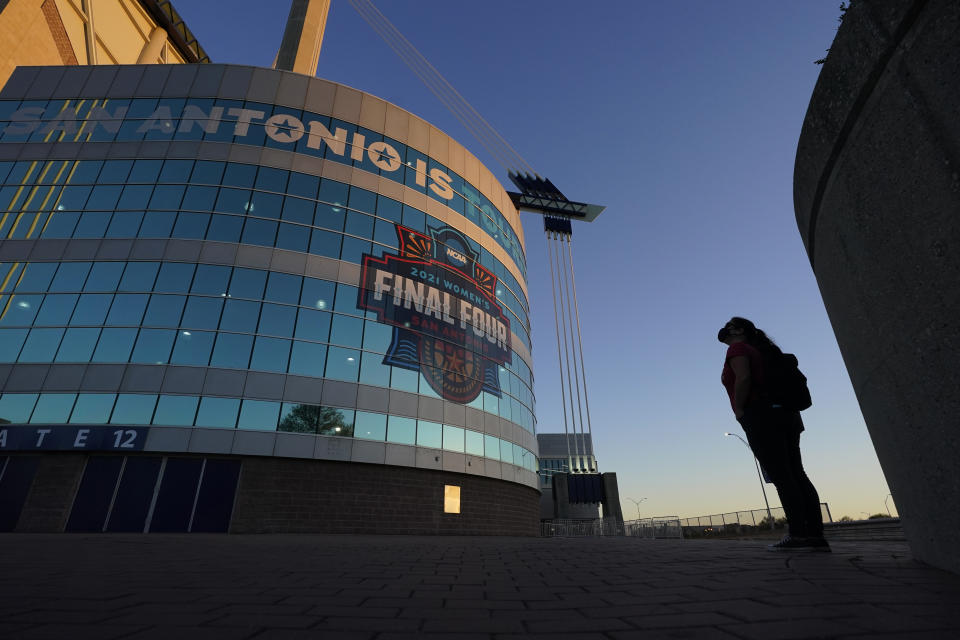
(652, 528)
(755, 521)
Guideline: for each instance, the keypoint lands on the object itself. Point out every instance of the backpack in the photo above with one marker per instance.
(785, 383)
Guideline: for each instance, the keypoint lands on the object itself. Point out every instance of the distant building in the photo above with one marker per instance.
(557, 452)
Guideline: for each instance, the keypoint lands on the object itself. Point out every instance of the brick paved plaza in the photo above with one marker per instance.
(394, 587)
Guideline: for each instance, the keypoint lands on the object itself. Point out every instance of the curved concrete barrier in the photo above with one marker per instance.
(877, 196)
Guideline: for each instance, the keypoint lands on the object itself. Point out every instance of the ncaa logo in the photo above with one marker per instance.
(456, 258)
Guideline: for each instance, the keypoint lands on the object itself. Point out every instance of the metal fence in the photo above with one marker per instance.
(652, 528)
(741, 522)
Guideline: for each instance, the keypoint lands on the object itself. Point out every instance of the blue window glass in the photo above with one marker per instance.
(133, 408)
(175, 277)
(401, 430)
(202, 313)
(240, 315)
(308, 359)
(199, 198)
(376, 336)
(293, 237)
(164, 311)
(270, 179)
(370, 426)
(104, 276)
(297, 210)
(207, 172)
(373, 371)
(70, 276)
(92, 309)
(211, 279)
(283, 287)
(325, 243)
(385, 232)
(115, 345)
(347, 331)
(56, 309)
(157, 224)
(73, 198)
(353, 249)
(232, 351)
(329, 217)
(491, 403)
(128, 309)
(104, 197)
(362, 200)
(41, 345)
(404, 379)
(92, 408)
(60, 225)
(429, 434)
(473, 444)
(239, 175)
(317, 294)
(193, 348)
(176, 410)
(36, 276)
(225, 228)
(453, 439)
(303, 185)
(248, 283)
(53, 408)
(414, 218)
(166, 197)
(266, 205)
(346, 300)
(298, 418)
(343, 364)
(335, 422)
(312, 325)
(86, 171)
(270, 354)
(78, 345)
(389, 209)
(11, 340)
(176, 171)
(491, 447)
(359, 224)
(139, 276)
(259, 232)
(506, 451)
(277, 320)
(153, 346)
(135, 196)
(92, 224)
(145, 170)
(218, 412)
(191, 225)
(17, 407)
(233, 201)
(261, 415)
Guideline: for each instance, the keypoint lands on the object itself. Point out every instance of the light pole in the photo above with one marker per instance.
(637, 502)
(885, 506)
(759, 475)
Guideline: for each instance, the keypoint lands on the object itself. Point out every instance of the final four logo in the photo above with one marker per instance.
(442, 304)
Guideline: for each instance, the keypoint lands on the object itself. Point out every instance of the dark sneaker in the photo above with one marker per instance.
(819, 544)
(790, 543)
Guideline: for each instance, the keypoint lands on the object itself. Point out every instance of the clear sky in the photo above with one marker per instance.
(683, 119)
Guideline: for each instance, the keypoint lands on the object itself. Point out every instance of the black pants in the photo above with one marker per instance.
(774, 436)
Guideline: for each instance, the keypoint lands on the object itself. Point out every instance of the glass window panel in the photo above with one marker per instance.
(218, 412)
(60, 225)
(153, 346)
(346, 331)
(335, 422)
(133, 408)
(211, 279)
(313, 325)
(298, 210)
(86, 171)
(55, 310)
(191, 225)
(164, 311)
(78, 345)
(53, 408)
(135, 196)
(202, 313)
(491, 447)
(293, 237)
(270, 179)
(346, 300)
(199, 198)
(390, 209)
(473, 443)
(176, 410)
(270, 354)
(325, 243)
(21, 310)
(225, 228)
(265, 205)
(329, 217)
(520, 456)
(259, 232)
(429, 434)
(248, 283)
(343, 364)
(10, 342)
(174, 277)
(145, 170)
(233, 201)
(35, 276)
(302, 184)
(283, 287)
(413, 218)
(404, 379)
(299, 418)
(17, 407)
(92, 408)
(401, 430)
(359, 224)
(376, 336)
(193, 348)
(104, 276)
(491, 403)
(261, 415)
(385, 232)
(103, 197)
(506, 451)
(240, 315)
(115, 345)
(207, 172)
(373, 371)
(92, 309)
(92, 224)
(157, 224)
(166, 197)
(232, 351)
(370, 426)
(239, 175)
(41, 345)
(353, 249)
(333, 192)
(362, 200)
(176, 171)
(128, 309)
(70, 276)
(277, 320)
(308, 359)
(139, 276)
(453, 439)
(73, 198)
(317, 294)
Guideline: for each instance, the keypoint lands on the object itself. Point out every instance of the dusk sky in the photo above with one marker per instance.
(683, 119)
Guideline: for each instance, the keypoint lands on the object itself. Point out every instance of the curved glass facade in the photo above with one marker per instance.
(331, 274)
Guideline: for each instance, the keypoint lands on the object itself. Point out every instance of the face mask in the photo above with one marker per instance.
(723, 334)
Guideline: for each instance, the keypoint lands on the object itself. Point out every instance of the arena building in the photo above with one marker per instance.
(248, 300)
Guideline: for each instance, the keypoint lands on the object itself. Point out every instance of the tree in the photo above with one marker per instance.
(309, 418)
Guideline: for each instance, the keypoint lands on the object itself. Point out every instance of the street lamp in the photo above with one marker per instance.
(889, 495)
(637, 502)
(759, 475)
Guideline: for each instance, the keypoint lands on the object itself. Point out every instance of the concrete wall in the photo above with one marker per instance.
(877, 195)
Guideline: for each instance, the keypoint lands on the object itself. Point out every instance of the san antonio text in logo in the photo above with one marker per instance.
(446, 322)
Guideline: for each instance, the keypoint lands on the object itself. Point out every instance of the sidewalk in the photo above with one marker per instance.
(181, 587)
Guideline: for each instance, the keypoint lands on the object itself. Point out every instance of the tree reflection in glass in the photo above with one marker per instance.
(308, 418)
